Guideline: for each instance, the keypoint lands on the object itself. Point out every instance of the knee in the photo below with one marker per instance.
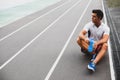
(78, 40)
(105, 46)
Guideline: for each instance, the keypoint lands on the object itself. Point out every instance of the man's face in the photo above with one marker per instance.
(95, 18)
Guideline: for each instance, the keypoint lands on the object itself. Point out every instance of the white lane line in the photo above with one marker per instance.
(109, 49)
(66, 44)
(16, 54)
(33, 21)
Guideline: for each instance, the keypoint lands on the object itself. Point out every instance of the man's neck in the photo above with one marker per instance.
(98, 24)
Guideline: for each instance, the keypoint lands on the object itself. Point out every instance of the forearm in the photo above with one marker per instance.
(81, 36)
(102, 41)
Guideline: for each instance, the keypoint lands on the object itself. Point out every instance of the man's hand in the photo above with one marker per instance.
(95, 45)
(87, 40)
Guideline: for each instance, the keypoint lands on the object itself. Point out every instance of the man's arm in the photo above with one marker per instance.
(103, 40)
(82, 34)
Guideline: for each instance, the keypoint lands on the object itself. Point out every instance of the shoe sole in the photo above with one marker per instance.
(91, 69)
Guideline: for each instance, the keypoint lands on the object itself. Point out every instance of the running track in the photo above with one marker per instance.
(42, 46)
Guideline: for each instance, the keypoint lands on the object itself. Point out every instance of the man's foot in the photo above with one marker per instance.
(91, 66)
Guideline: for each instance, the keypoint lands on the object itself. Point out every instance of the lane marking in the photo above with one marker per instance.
(16, 54)
(66, 44)
(109, 49)
(33, 21)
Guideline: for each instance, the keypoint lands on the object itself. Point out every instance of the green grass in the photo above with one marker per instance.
(113, 3)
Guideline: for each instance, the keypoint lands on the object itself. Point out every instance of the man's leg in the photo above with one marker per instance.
(91, 65)
(82, 43)
(101, 53)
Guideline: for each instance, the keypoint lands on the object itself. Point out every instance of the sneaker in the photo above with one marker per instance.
(91, 66)
(90, 47)
(93, 57)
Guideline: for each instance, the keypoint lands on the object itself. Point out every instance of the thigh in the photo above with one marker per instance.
(84, 44)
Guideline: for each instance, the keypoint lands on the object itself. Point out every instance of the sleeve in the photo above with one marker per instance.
(87, 27)
(107, 30)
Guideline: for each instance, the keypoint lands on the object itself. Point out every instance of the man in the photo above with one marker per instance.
(93, 38)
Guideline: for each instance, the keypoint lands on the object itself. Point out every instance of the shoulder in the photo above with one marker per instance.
(105, 26)
(90, 23)
(88, 26)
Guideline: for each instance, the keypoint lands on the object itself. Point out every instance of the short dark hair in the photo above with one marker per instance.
(98, 12)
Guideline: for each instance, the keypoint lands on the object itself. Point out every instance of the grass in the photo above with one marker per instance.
(113, 3)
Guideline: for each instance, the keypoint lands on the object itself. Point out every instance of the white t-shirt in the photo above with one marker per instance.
(96, 33)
